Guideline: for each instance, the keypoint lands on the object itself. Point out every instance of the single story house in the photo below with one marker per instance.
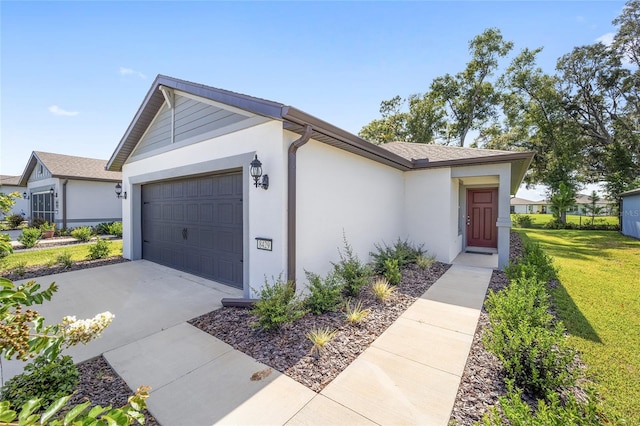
(524, 206)
(70, 191)
(239, 189)
(583, 200)
(11, 184)
(630, 213)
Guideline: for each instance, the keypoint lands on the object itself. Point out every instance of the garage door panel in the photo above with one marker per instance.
(210, 210)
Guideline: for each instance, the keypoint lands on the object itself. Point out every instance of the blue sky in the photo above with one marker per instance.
(73, 74)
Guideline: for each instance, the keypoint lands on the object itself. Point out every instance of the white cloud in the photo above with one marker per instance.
(606, 39)
(129, 71)
(56, 110)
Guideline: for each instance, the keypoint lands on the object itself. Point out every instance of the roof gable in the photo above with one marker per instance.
(71, 167)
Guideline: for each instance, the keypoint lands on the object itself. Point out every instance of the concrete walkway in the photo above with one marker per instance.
(409, 375)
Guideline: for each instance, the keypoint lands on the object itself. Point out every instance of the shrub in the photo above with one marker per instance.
(102, 228)
(82, 233)
(325, 294)
(30, 236)
(425, 262)
(37, 222)
(554, 411)
(525, 339)
(20, 268)
(42, 379)
(382, 290)
(354, 273)
(522, 220)
(356, 313)
(320, 337)
(534, 263)
(403, 251)
(115, 229)
(64, 260)
(14, 220)
(5, 247)
(99, 250)
(278, 305)
(392, 271)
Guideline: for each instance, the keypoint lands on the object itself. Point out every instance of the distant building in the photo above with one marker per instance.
(8, 185)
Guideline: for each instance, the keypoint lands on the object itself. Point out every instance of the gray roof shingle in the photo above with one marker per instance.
(71, 167)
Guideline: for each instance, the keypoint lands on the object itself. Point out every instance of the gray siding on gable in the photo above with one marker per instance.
(195, 118)
(159, 134)
(39, 172)
(631, 215)
(192, 118)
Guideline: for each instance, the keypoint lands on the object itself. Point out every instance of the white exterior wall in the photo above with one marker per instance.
(521, 209)
(21, 204)
(631, 215)
(431, 199)
(264, 211)
(342, 192)
(89, 203)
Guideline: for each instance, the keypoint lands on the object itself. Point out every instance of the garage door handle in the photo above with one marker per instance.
(185, 233)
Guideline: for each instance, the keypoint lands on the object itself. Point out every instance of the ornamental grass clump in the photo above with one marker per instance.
(278, 305)
(355, 314)
(382, 290)
(320, 337)
(425, 262)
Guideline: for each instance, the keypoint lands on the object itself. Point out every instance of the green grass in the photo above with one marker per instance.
(539, 220)
(45, 256)
(599, 303)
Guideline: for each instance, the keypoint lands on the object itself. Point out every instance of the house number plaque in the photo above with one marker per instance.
(264, 243)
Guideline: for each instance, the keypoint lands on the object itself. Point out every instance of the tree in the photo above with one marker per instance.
(536, 121)
(468, 97)
(561, 201)
(593, 209)
(391, 127)
(627, 39)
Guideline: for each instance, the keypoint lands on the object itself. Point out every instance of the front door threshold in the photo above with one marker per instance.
(481, 250)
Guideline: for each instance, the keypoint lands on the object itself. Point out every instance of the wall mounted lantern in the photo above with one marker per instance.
(52, 192)
(25, 196)
(119, 192)
(256, 173)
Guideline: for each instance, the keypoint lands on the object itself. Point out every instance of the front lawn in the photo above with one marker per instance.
(48, 256)
(598, 300)
(538, 220)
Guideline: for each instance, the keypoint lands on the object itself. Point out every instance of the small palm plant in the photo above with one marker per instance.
(356, 313)
(320, 337)
(382, 289)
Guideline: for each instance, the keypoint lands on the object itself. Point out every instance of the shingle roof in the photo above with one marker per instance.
(632, 192)
(437, 153)
(71, 167)
(516, 201)
(10, 180)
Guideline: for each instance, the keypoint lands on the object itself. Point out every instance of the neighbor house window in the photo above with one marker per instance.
(42, 206)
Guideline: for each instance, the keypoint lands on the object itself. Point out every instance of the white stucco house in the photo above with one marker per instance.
(192, 204)
(9, 185)
(70, 191)
(630, 213)
(523, 206)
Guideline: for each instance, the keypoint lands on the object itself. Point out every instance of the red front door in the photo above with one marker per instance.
(482, 214)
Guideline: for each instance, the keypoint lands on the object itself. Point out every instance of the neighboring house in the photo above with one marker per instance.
(630, 213)
(583, 200)
(70, 191)
(8, 185)
(191, 203)
(523, 206)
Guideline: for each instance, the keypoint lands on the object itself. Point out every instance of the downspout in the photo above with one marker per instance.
(64, 203)
(291, 203)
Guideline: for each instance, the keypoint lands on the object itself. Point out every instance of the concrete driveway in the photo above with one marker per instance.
(146, 298)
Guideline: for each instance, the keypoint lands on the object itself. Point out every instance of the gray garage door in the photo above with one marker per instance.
(195, 225)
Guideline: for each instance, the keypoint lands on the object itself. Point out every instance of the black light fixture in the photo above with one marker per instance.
(256, 173)
(52, 192)
(25, 196)
(119, 192)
